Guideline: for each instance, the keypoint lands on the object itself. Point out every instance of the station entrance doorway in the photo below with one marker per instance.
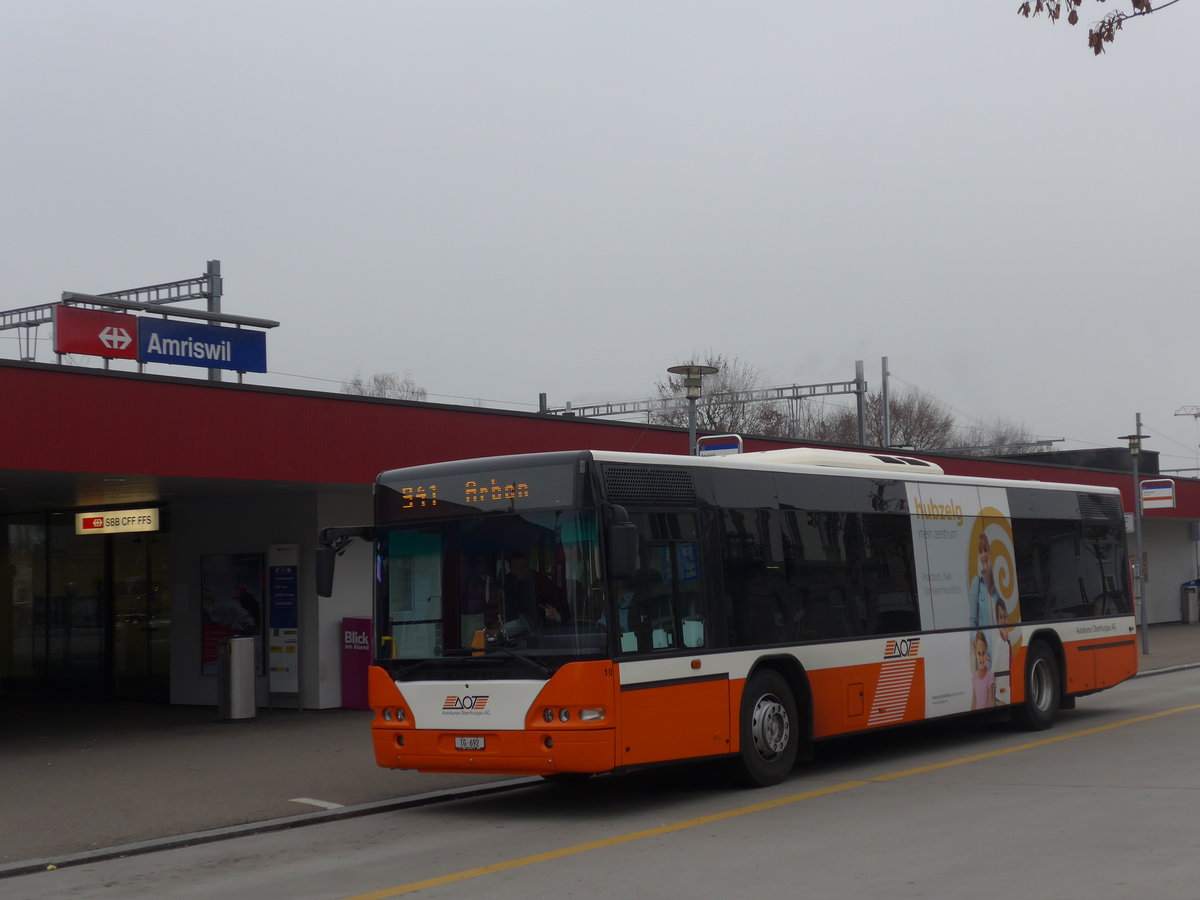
(83, 615)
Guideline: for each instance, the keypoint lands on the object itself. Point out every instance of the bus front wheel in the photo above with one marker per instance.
(769, 730)
(1043, 689)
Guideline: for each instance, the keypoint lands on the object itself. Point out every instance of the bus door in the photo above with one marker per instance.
(672, 706)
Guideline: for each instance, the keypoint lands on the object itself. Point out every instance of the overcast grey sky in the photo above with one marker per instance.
(509, 198)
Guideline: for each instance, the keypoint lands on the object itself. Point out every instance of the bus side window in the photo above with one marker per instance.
(691, 617)
(761, 609)
(661, 609)
(889, 575)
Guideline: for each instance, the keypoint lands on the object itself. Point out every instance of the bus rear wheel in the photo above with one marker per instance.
(769, 730)
(1043, 689)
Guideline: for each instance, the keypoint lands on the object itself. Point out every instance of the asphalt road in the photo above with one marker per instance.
(1102, 806)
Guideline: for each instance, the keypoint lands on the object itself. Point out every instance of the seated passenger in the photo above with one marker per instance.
(533, 595)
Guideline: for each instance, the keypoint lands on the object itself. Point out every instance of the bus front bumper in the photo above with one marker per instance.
(539, 752)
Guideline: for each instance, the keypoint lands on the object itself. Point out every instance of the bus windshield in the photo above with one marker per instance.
(511, 583)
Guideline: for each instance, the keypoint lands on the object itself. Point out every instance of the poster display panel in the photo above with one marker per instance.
(231, 592)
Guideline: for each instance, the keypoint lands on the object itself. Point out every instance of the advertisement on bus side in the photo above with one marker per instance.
(966, 572)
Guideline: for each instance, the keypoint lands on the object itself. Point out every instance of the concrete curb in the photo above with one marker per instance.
(1165, 669)
(28, 866)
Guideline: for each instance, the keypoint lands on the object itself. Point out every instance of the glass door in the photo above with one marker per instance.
(141, 616)
(69, 615)
(22, 600)
(83, 615)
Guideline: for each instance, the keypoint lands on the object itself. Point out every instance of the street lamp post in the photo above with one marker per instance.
(1139, 579)
(692, 376)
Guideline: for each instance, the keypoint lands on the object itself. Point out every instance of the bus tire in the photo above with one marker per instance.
(770, 730)
(1043, 689)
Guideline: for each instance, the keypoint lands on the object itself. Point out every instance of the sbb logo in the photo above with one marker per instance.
(93, 523)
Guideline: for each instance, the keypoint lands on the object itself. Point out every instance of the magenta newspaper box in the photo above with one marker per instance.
(356, 659)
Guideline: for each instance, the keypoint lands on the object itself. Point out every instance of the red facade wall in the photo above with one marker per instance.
(80, 420)
(72, 420)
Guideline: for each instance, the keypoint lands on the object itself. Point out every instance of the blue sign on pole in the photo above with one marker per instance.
(284, 593)
(210, 346)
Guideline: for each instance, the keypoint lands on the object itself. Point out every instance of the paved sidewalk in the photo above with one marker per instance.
(76, 779)
(98, 776)
(1171, 645)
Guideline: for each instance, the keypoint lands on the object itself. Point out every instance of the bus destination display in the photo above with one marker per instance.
(467, 493)
(549, 487)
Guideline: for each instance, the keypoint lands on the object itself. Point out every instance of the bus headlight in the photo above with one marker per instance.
(596, 714)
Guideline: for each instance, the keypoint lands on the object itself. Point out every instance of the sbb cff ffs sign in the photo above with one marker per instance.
(94, 332)
(117, 521)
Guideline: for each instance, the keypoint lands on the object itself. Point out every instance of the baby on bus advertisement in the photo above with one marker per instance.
(967, 569)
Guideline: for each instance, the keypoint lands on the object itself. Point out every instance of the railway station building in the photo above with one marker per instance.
(145, 517)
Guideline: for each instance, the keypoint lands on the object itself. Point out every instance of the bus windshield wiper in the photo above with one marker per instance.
(529, 660)
(473, 659)
(419, 664)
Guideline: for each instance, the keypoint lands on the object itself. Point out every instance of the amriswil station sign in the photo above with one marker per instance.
(118, 335)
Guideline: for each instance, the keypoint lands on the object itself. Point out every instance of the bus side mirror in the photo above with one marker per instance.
(622, 544)
(326, 558)
(330, 546)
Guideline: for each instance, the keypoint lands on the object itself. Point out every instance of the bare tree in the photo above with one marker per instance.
(385, 384)
(724, 405)
(997, 438)
(917, 420)
(1100, 33)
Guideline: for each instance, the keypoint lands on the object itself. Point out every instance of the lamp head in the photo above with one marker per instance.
(692, 377)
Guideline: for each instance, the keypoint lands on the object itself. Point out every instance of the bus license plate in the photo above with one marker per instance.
(468, 743)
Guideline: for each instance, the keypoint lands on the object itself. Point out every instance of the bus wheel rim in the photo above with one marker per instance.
(1039, 684)
(769, 727)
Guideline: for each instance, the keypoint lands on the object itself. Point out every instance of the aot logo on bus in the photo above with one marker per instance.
(902, 648)
(472, 704)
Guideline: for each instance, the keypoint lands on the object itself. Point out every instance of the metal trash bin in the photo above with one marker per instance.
(1189, 602)
(235, 679)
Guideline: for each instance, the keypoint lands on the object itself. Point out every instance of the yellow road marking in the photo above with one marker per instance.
(491, 869)
(991, 754)
(601, 844)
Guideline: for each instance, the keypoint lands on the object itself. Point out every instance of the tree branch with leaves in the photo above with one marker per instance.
(1100, 33)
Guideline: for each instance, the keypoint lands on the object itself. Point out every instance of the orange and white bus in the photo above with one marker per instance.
(591, 611)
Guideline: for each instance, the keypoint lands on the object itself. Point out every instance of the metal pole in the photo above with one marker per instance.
(691, 426)
(215, 289)
(860, 389)
(887, 412)
(1139, 574)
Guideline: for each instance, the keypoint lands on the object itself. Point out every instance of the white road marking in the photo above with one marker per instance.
(324, 804)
